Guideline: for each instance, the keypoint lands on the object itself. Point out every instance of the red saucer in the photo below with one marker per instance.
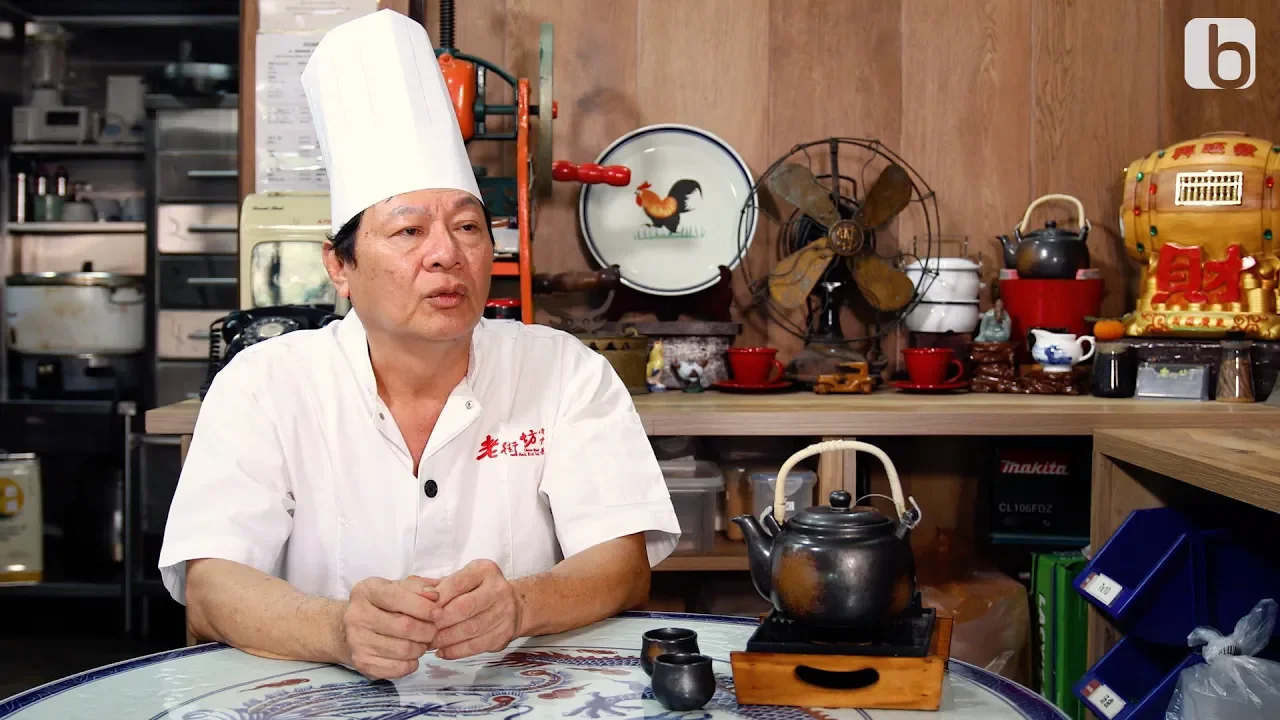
(909, 386)
(734, 386)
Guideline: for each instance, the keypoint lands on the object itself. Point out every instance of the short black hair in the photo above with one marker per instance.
(344, 241)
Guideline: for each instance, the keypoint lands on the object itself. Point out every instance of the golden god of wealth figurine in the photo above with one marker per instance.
(1202, 216)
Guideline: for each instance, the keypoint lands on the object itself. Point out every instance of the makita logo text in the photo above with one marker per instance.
(1013, 467)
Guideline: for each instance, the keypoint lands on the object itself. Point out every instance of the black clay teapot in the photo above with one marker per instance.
(836, 565)
(1051, 252)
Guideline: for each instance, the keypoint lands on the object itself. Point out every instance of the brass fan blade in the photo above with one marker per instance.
(887, 197)
(795, 275)
(800, 188)
(884, 286)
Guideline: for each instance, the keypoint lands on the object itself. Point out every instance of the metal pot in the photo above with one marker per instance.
(185, 78)
(839, 565)
(948, 279)
(97, 313)
(1050, 253)
(939, 317)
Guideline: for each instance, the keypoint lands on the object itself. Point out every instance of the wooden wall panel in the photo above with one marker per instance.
(1187, 112)
(834, 70)
(1095, 92)
(966, 128)
(595, 87)
(707, 64)
(966, 125)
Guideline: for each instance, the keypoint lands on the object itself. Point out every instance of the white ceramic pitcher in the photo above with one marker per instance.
(1058, 352)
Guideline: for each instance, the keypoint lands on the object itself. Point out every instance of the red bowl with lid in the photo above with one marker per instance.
(502, 309)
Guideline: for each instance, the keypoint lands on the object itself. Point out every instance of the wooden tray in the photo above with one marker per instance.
(887, 683)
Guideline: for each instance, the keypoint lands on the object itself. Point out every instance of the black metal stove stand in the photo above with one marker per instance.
(908, 635)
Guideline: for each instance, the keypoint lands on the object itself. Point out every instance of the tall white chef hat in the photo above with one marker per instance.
(382, 114)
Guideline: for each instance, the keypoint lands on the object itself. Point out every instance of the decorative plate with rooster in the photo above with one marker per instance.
(589, 674)
(672, 228)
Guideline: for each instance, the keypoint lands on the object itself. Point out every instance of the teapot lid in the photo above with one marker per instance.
(841, 516)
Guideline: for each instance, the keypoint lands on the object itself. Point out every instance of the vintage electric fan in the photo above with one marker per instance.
(840, 205)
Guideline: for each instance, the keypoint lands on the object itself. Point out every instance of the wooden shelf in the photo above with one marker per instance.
(886, 413)
(727, 556)
(894, 413)
(75, 228)
(1241, 464)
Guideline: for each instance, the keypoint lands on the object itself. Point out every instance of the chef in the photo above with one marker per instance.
(412, 478)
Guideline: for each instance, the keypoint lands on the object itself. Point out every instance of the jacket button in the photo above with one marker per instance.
(430, 488)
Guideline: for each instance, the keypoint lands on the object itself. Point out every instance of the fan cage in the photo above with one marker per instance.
(923, 198)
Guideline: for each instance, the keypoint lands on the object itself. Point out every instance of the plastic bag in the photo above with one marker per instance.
(992, 620)
(1231, 683)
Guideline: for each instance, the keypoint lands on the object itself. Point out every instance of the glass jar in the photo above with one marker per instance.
(1235, 372)
(1115, 371)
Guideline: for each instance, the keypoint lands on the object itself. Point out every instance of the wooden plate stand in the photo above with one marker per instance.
(845, 681)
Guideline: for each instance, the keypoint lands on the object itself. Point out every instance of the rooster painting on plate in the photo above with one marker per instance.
(664, 212)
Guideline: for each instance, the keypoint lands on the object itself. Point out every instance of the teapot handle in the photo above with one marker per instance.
(780, 488)
(1080, 218)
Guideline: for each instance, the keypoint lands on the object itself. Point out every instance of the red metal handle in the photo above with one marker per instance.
(591, 173)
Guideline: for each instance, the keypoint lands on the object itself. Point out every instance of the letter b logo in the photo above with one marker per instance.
(1219, 53)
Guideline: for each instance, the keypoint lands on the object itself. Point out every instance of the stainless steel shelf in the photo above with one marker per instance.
(85, 149)
(64, 589)
(75, 228)
(107, 589)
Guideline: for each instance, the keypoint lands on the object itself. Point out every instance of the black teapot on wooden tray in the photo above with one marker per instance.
(838, 565)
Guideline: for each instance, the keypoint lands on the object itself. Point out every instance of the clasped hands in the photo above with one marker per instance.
(387, 625)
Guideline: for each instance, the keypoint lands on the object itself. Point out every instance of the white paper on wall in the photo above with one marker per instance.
(287, 155)
(309, 15)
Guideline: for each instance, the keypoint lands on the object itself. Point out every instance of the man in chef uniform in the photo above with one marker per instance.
(412, 478)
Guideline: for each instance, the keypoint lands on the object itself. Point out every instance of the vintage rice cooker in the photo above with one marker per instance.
(78, 313)
(948, 288)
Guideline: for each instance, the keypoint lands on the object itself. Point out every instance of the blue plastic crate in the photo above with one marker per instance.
(1236, 578)
(1160, 576)
(1135, 680)
(1146, 578)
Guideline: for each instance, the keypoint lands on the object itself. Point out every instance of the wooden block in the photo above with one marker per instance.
(896, 683)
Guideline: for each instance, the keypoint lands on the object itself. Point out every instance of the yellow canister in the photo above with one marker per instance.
(21, 519)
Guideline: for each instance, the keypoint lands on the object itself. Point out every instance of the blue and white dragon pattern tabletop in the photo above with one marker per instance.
(588, 674)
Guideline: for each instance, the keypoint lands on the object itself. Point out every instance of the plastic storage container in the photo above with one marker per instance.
(799, 490)
(1134, 680)
(1159, 577)
(695, 494)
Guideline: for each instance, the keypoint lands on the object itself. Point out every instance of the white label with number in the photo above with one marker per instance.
(1103, 588)
(1106, 701)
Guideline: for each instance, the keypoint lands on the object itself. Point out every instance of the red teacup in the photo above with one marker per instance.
(928, 366)
(755, 365)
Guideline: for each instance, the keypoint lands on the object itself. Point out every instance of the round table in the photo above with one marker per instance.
(588, 674)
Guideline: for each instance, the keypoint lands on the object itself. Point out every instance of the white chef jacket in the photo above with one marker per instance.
(298, 469)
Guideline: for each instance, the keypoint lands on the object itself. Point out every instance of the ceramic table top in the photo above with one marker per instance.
(589, 674)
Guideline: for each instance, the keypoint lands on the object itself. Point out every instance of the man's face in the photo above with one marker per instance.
(422, 265)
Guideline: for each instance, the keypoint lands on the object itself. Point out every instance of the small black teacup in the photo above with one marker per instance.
(666, 640)
(683, 681)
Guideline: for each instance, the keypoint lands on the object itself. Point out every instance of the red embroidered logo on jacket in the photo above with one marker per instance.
(530, 443)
